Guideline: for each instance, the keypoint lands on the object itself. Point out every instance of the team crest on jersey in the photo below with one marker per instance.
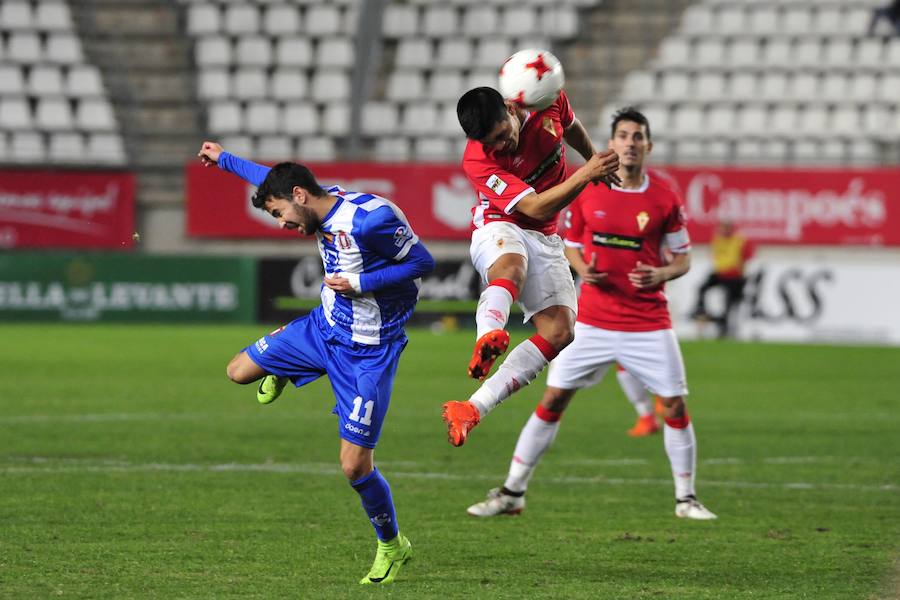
(343, 240)
(496, 184)
(642, 219)
(548, 126)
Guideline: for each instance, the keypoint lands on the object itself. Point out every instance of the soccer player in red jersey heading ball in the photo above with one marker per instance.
(615, 242)
(516, 161)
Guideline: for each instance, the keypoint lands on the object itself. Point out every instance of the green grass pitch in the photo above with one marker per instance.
(131, 468)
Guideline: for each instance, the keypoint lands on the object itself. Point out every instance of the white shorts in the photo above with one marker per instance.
(652, 356)
(548, 280)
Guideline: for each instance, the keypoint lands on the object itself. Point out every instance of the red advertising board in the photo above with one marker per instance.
(66, 209)
(811, 207)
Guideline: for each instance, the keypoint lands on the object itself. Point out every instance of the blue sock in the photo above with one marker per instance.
(375, 493)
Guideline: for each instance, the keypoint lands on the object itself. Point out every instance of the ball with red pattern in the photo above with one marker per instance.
(532, 78)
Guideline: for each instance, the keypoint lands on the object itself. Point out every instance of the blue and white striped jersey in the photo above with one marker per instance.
(362, 235)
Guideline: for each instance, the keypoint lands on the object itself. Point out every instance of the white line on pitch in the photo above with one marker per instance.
(76, 466)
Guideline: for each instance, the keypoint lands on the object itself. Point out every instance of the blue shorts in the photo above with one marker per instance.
(361, 375)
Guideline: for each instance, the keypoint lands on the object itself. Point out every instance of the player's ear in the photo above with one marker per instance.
(299, 194)
(649, 146)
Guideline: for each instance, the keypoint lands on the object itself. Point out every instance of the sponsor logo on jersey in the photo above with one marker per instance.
(496, 184)
(613, 240)
(261, 345)
(552, 159)
(642, 219)
(356, 430)
(343, 240)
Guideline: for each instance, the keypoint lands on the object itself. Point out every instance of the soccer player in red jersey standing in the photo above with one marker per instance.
(516, 161)
(614, 242)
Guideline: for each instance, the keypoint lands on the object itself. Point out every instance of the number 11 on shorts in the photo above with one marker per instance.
(366, 419)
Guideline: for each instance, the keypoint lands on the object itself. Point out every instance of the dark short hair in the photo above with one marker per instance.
(280, 182)
(479, 110)
(629, 113)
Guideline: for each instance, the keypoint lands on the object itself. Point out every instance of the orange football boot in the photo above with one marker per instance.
(659, 408)
(644, 426)
(487, 349)
(461, 418)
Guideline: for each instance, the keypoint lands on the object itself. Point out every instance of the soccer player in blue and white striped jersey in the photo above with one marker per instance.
(373, 261)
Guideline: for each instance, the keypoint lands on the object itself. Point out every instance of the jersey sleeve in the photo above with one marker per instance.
(386, 234)
(676, 238)
(574, 225)
(495, 184)
(243, 168)
(566, 114)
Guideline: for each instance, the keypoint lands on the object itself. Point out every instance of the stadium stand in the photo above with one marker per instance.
(53, 103)
(772, 82)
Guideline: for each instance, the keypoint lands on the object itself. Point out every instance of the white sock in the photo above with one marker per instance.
(536, 437)
(521, 367)
(641, 399)
(681, 446)
(493, 309)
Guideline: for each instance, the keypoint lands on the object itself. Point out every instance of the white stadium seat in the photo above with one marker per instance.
(329, 85)
(53, 114)
(15, 113)
(106, 147)
(27, 147)
(63, 48)
(84, 81)
(239, 145)
(433, 149)
(391, 149)
(405, 85)
(293, 52)
(67, 147)
(16, 14)
(313, 149)
(262, 117)
(12, 81)
(379, 118)
(288, 84)
(483, 20)
(491, 53)
(213, 51)
(274, 148)
(249, 83)
(522, 19)
(253, 50)
(225, 117)
(415, 53)
(710, 85)
(334, 52)
(281, 19)
(441, 21)
(241, 19)
(454, 53)
(400, 21)
(300, 118)
(214, 83)
(203, 19)
(420, 119)
(53, 16)
(446, 85)
(95, 114)
(24, 47)
(323, 20)
(336, 119)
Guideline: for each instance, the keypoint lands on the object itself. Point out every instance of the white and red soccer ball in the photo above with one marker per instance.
(532, 78)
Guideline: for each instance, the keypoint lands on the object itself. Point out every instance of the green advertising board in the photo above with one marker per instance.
(123, 287)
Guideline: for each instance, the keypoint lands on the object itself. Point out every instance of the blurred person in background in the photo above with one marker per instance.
(890, 13)
(515, 160)
(616, 242)
(373, 261)
(730, 252)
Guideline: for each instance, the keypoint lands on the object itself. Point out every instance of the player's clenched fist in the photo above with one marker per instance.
(209, 153)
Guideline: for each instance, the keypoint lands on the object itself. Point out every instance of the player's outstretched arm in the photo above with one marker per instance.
(579, 138)
(549, 202)
(212, 153)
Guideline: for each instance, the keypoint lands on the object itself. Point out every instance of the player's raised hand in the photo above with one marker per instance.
(209, 153)
(645, 276)
(591, 275)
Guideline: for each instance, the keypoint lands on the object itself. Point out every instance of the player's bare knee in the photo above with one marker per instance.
(556, 399)
(674, 406)
(354, 470)
(235, 372)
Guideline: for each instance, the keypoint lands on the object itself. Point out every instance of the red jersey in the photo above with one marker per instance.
(539, 163)
(623, 227)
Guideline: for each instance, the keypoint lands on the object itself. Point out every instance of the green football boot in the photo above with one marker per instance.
(388, 559)
(270, 388)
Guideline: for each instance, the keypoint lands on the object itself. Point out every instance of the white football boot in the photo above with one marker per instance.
(691, 508)
(497, 503)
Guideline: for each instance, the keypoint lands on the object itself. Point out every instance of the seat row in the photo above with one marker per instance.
(763, 18)
(741, 86)
(776, 152)
(56, 114)
(307, 119)
(75, 81)
(754, 120)
(263, 51)
(61, 148)
(46, 15)
(28, 47)
(784, 53)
